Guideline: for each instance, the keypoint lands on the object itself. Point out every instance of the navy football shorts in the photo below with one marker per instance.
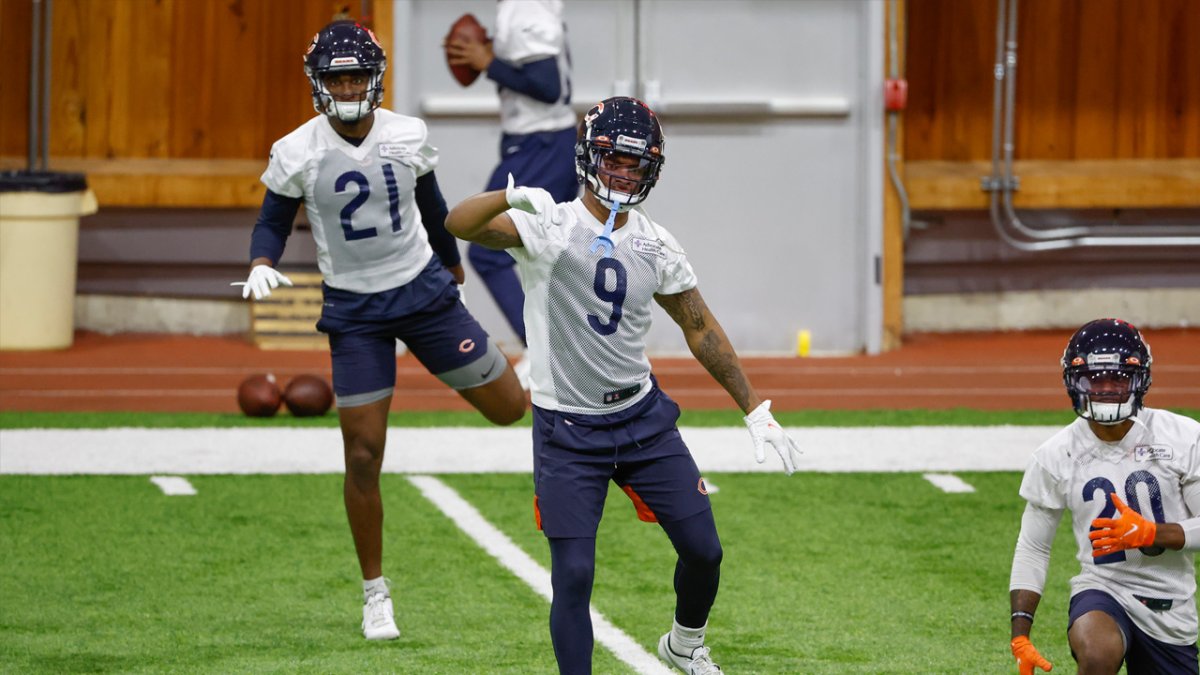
(640, 449)
(443, 336)
(1144, 655)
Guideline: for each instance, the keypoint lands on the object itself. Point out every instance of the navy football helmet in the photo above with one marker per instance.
(1106, 368)
(345, 47)
(619, 151)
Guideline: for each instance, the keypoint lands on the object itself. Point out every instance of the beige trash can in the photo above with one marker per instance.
(39, 241)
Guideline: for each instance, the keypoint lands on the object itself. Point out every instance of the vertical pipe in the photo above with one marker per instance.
(1010, 91)
(47, 49)
(637, 49)
(998, 93)
(35, 52)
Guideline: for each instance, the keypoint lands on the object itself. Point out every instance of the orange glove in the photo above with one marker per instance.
(1028, 656)
(1131, 530)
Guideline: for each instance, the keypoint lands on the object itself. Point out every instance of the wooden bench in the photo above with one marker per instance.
(222, 183)
(1083, 184)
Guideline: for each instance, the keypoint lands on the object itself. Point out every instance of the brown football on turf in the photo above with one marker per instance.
(258, 395)
(308, 396)
(468, 28)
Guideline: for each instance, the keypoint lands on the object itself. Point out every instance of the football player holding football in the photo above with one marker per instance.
(530, 63)
(391, 271)
(1130, 476)
(591, 269)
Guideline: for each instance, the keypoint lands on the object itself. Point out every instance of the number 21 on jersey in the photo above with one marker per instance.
(342, 184)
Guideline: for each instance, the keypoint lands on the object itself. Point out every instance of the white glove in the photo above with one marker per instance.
(262, 279)
(765, 430)
(533, 200)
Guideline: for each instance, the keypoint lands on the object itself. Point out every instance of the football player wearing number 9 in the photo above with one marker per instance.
(391, 271)
(1130, 476)
(591, 268)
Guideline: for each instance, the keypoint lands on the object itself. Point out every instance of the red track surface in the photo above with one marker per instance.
(1001, 371)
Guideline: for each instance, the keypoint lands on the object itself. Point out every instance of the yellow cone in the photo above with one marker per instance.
(803, 343)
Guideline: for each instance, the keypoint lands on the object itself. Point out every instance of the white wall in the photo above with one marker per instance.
(772, 115)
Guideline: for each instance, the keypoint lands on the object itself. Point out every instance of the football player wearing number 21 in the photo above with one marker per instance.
(1130, 476)
(390, 269)
(590, 269)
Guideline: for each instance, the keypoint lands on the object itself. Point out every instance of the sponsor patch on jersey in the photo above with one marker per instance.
(1151, 453)
(648, 246)
(394, 150)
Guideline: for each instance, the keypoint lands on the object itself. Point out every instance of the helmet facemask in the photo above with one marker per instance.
(620, 178)
(1107, 395)
(347, 111)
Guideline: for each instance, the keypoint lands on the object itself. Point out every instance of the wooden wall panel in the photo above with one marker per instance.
(1096, 79)
(15, 18)
(948, 67)
(182, 79)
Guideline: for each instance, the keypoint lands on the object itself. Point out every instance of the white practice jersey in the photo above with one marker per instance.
(532, 30)
(586, 316)
(1155, 470)
(359, 200)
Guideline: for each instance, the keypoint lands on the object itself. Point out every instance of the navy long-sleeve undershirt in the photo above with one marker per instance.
(433, 215)
(275, 218)
(273, 226)
(538, 80)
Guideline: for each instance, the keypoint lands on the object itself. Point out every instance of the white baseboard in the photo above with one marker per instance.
(122, 314)
(1029, 310)
(1024, 310)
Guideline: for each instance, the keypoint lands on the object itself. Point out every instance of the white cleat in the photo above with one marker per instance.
(521, 368)
(697, 663)
(379, 622)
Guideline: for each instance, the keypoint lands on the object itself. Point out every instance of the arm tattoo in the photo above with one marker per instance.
(498, 240)
(717, 356)
(708, 342)
(686, 308)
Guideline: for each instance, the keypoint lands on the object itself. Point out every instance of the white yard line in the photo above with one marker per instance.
(948, 482)
(526, 569)
(748, 365)
(173, 485)
(494, 450)
(437, 391)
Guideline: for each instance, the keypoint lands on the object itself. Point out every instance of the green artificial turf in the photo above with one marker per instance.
(823, 573)
(11, 419)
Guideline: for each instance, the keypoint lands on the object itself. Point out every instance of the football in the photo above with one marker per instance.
(308, 396)
(468, 28)
(258, 395)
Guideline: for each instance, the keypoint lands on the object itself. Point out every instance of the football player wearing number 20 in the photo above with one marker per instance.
(390, 269)
(590, 270)
(1130, 476)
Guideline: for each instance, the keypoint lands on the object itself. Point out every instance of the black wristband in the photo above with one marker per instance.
(1026, 615)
